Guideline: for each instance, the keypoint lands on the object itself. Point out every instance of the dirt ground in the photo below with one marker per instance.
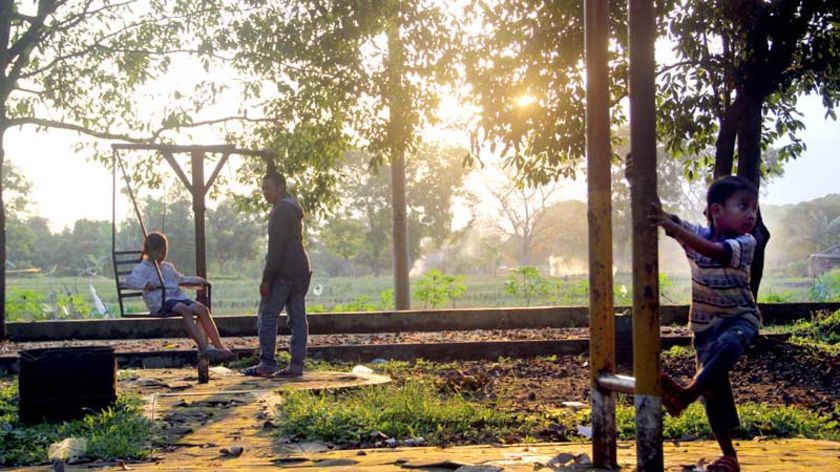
(132, 345)
(773, 372)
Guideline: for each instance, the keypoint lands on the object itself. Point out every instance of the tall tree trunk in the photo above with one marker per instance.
(725, 144)
(397, 141)
(6, 7)
(749, 167)
(3, 333)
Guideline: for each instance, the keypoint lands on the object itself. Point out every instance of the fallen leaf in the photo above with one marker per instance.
(232, 451)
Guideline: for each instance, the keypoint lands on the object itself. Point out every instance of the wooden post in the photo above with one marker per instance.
(197, 190)
(203, 368)
(601, 316)
(646, 343)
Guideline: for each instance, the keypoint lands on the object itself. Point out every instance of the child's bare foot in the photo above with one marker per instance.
(724, 464)
(673, 396)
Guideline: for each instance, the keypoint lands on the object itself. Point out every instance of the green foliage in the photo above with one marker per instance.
(570, 292)
(772, 297)
(405, 412)
(386, 299)
(526, 282)
(23, 305)
(826, 287)
(678, 352)
(121, 432)
(31, 305)
(757, 419)
(824, 328)
(362, 303)
(436, 289)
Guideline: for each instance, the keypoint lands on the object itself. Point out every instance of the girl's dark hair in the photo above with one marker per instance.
(724, 187)
(154, 240)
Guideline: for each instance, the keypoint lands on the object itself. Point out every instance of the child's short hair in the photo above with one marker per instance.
(154, 240)
(724, 187)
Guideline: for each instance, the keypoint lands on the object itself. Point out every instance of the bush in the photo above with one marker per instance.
(436, 289)
(526, 282)
(22, 305)
(824, 328)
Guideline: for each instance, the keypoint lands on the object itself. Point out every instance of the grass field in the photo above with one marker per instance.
(40, 297)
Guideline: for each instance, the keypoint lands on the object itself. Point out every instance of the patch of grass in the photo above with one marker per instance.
(416, 409)
(678, 352)
(120, 432)
(757, 419)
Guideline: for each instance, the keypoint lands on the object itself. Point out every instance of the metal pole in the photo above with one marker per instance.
(646, 343)
(197, 162)
(601, 312)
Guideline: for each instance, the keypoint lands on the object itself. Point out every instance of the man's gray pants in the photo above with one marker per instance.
(290, 294)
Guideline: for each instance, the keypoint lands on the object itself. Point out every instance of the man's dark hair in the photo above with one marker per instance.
(276, 178)
(724, 187)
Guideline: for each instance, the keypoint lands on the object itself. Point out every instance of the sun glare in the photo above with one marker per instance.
(525, 99)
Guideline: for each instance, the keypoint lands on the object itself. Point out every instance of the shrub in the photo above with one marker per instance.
(436, 289)
(526, 282)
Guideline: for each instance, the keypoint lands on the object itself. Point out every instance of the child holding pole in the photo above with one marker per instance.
(724, 316)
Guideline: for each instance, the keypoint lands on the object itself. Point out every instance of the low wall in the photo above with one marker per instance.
(380, 322)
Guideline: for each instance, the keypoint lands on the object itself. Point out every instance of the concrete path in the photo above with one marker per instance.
(228, 425)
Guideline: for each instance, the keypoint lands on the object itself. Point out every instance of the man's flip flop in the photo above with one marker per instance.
(256, 371)
(287, 373)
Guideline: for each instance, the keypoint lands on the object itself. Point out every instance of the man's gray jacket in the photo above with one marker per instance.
(286, 258)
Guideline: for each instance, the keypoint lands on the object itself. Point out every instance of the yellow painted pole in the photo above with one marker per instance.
(601, 313)
(646, 344)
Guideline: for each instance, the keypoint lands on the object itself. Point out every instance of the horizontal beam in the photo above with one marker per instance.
(223, 148)
(617, 383)
(378, 322)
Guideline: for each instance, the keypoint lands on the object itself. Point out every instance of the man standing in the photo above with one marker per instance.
(285, 281)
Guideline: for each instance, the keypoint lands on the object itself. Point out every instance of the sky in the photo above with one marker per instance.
(66, 187)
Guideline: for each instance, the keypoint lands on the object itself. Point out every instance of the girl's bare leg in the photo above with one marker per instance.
(207, 323)
(193, 330)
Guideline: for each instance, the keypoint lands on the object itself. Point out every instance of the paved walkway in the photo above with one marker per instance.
(197, 422)
(767, 456)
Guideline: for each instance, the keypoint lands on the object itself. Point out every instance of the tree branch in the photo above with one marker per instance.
(217, 121)
(74, 127)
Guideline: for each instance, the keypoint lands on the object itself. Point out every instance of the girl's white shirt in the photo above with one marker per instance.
(172, 279)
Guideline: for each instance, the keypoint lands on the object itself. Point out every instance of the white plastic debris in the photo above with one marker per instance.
(221, 371)
(361, 370)
(574, 405)
(585, 431)
(67, 450)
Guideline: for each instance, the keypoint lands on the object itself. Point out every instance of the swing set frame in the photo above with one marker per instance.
(198, 188)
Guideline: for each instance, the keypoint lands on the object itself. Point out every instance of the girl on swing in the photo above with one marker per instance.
(144, 277)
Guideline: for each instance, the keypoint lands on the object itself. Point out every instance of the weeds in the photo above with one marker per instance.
(416, 409)
(120, 432)
(677, 353)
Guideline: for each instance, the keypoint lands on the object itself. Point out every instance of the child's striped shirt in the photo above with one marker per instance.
(720, 288)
